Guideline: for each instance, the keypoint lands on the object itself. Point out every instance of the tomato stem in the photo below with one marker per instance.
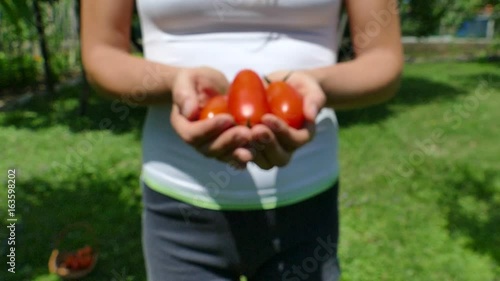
(268, 81)
(287, 76)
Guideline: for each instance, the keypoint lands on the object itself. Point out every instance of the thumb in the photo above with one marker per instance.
(189, 107)
(185, 97)
(311, 107)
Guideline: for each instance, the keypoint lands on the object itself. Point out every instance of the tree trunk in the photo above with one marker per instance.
(85, 93)
(40, 27)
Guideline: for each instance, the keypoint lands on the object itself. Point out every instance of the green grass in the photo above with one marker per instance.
(420, 187)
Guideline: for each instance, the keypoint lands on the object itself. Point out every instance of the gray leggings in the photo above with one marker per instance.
(292, 243)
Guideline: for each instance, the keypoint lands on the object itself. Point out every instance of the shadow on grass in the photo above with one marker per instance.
(483, 79)
(111, 206)
(472, 206)
(121, 118)
(414, 91)
(489, 60)
(40, 113)
(63, 110)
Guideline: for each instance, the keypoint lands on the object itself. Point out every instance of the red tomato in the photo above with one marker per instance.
(84, 261)
(87, 250)
(286, 103)
(247, 99)
(215, 105)
(68, 259)
(71, 262)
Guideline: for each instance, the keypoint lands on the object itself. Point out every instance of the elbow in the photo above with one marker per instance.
(377, 80)
(90, 66)
(89, 75)
(391, 90)
(96, 73)
(393, 80)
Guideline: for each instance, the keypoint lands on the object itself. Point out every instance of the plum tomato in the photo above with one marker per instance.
(215, 105)
(286, 103)
(71, 262)
(247, 100)
(84, 261)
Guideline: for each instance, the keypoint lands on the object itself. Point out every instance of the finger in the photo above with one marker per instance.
(258, 156)
(272, 152)
(262, 162)
(227, 142)
(235, 164)
(238, 159)
(256, 149)
(289, 138)
(185, 97)
(197, 133)
(213, 78)
(243, 155)
(313, 102)
(208, 93)
(279, 75)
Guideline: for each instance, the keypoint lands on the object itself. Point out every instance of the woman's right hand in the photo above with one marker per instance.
(217, 137)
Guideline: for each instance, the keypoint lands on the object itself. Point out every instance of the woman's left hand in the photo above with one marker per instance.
(273, 141)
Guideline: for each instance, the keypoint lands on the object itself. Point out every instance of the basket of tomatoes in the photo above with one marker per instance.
(74, 262)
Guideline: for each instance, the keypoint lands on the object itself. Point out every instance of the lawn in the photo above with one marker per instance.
(420, 181)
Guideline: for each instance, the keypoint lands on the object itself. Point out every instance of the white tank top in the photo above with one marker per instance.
(229, 35)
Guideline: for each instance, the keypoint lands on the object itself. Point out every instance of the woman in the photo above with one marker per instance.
(222, 200)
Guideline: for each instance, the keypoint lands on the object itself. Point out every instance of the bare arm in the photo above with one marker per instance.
(111, 68)
(106, 58)
(374, 75)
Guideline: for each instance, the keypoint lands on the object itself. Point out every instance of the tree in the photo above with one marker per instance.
(40, 28)
(424, 17)
(85, 93)
(21, 14)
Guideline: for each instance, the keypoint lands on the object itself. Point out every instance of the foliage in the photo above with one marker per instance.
(18, 71)
(424, 17)
(17, 12)
(19, 39)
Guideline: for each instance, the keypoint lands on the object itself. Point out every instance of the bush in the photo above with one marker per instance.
(19, 71)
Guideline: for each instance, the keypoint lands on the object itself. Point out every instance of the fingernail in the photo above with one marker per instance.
(264, 138)
(314, 111)
(277, 126)
(310, 112)
(274, 125)
(188, 108)
(239, 139)
(224, 123)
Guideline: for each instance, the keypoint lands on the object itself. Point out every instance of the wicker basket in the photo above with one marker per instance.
(58, 256)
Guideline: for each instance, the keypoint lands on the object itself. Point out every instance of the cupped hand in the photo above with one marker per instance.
(274, 142)
(217, 137)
